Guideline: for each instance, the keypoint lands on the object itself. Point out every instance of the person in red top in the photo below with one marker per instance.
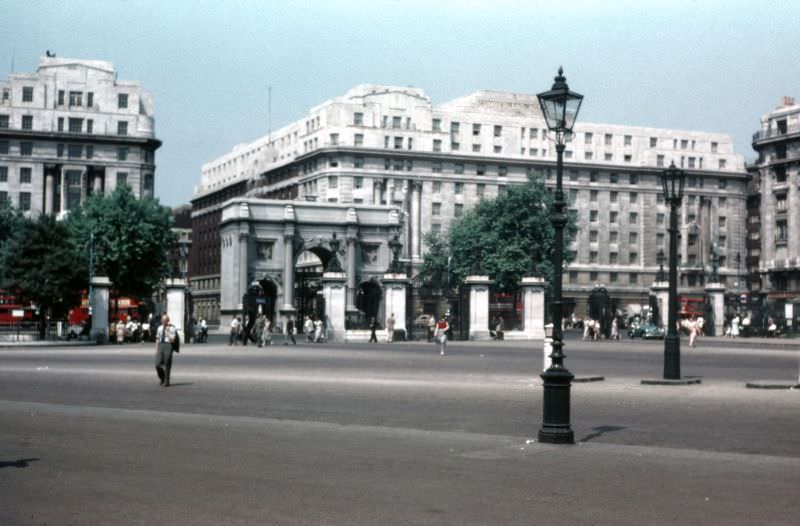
(440, 334)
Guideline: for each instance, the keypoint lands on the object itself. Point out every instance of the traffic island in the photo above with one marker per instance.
(687, 380)
(773, 384)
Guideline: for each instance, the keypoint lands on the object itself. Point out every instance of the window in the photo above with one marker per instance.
(502, 171)
(714, 147)
(59, 150)
(659, 198)
(660, 160)
(26, 148)
(436, 209)
(573, 276)
(397, 164)
(593, 195)
(722, 183)
(476, 129)
(593, 216)
(398, 143)
(634, 178)
(358, 162)
(436, 124)
(612, 216)
(722, 221)
(653, 142)
(613, 236)
(3, 197)
(633, 238)
(410, 142)
(608, 157)
(27, 94)
(455, 127)
(533, 133)
(633, 218)
(436, 166)
(122, 153)
(781, 231)
(573, 195)
(476, 147)
(633, 196)
(454, 146)
(587, 138)
(75, 125)
(573, 175)
(458, 211)
(61, 97)
(387, 164)
(358, 182)
(89, 99)
(358, 139)
(458, 168)
(333, 181)
(612, 197)
(437, 145)
(628, 140)
(89, 126)
(122, 128)
(691, 162)
(4, 147)
(122, 178)
(386, 139)
(593, 236)
(480, 189)
(4, 121)
(358, 119)
(613, 178)
(498, 149)
(480, 169)
(437, 187)
(74, 151)
(24, 201)
(334, 139)
(498, 131)
(587, 156)
(723, 201)
(609, 139)
(660, 239)
(722, 240)
(627, 158)
(27, 122)
(3, 174)
(459, 188)
(397, 122)
(633, 257)
(122, 100)
(89, 151)
(25, 175)
(633, 278)
(436, 227)
(684, 144)
(533, 152)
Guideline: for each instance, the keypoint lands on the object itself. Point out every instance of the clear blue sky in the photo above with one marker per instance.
(703, 65)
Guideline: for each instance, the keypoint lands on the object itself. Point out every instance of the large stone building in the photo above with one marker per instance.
(389, 146)
(72, 129)
(776, 191)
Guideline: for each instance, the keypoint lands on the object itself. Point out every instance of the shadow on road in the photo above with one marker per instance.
(599, 431)
(180, 384)
(21, 463)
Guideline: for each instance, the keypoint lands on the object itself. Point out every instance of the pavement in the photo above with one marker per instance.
(392, 434)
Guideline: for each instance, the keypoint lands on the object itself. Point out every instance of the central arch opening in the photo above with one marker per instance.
(308, 299)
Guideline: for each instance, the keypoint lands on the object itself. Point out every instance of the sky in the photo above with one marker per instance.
(714, 65)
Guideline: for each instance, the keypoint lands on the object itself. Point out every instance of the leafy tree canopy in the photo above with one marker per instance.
(131, 238)
(42, 266)
(507, 237)
(11, 221)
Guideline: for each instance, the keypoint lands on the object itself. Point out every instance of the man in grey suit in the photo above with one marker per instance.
(165, 339)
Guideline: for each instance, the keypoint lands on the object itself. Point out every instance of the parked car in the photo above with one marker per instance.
(646, 331)
(423, 320)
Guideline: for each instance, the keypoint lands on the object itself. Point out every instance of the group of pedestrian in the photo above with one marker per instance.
(315, 329)
(260, 332)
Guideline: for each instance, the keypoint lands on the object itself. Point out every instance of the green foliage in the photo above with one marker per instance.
(11, 221)
(43, 267)
(434, 266)
(507, 236)
(131, 239)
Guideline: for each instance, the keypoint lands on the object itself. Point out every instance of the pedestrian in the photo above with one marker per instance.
(318, 331)
(266, 336)
(373, 326)
(431, 327)
(735, 327)
(390, 321)
(120, 332)
(614, 329)
(236, 324)
(290, 330)
(499, 328)
(693, 331)
(440, 334)
(308, 328)
(203, 330)
(166, 342)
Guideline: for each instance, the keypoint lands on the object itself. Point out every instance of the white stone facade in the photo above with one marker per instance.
(72, 129)
(389, 145)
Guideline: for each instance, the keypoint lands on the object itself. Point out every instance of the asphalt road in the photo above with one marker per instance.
(393, 435)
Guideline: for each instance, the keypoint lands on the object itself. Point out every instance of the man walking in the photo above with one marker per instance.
(290, 330)
(165, 339)
(390, 321)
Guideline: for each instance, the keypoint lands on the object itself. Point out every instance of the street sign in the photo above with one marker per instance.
(17, 313)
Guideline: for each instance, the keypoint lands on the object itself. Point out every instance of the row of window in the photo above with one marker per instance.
(74, 125)
(75, 98)
(73, 151)
(23, 200)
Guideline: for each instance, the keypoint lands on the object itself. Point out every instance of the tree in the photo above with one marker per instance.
(11, 220)
(131, 239)
(42, 266)
(506, 236)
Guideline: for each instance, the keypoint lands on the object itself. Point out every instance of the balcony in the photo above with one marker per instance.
(776, 134)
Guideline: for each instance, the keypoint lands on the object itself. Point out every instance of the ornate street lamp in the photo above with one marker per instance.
(560, 108)
(673, 181)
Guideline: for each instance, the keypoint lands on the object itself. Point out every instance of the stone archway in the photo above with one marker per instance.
(369, 296)
(308, 270)
(268, 298)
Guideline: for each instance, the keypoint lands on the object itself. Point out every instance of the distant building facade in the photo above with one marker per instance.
(389, 146)
(70, 130)
(777, 172)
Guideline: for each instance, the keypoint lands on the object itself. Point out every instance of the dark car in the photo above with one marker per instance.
(647, 331)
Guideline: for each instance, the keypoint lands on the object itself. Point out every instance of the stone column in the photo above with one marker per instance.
(99, 299)
(416, 234)
(352, 249)
(176, 304)
(660, 289)
(533, 307)
(715, 292)
(333, 290)
(394, 293)
(478, 307)
(97, 184)
(244, 242)
(49, 188)
(376, 192)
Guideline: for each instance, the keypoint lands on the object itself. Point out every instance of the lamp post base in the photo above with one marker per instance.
(556, 428)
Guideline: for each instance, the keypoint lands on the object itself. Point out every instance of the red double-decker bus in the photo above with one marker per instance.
(12, 311)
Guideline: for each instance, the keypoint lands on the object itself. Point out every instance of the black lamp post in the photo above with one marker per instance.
(560, 109)
(673, 181)
(660, 260)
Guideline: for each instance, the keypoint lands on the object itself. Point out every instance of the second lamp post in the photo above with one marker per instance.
(673, 180)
